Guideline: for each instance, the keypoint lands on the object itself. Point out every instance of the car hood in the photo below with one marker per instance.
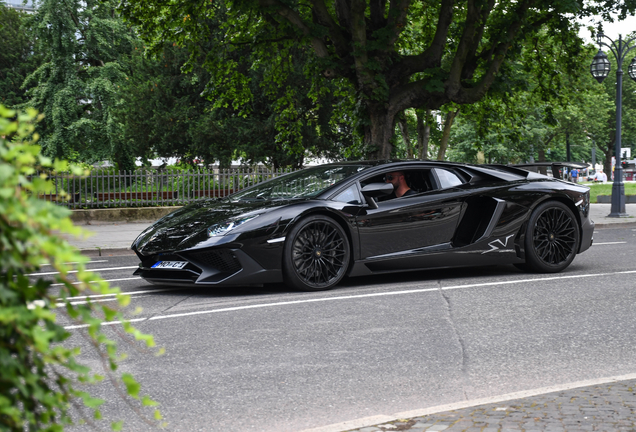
(187, 227)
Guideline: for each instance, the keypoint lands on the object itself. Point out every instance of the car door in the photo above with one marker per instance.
(403, 228)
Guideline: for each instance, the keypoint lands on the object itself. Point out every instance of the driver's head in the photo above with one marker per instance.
(394, 177)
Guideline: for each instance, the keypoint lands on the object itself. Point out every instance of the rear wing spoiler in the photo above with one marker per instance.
(555, 165)
(514, 172)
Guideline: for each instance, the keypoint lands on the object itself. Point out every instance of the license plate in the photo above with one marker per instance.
(170, 265)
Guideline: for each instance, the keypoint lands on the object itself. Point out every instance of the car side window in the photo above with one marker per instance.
(447, 179)
(350, 195)
(419, 180)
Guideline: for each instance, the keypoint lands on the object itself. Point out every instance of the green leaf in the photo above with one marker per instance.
(41, 368)
(132, 386)
(146, 401)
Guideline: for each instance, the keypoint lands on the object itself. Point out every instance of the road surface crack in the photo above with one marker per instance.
(162, 312)
(458, 337)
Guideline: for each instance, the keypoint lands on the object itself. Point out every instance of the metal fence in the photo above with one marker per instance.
(104, 188)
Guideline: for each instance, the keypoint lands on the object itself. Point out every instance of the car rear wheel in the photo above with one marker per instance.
(316, 255)
(552, 239)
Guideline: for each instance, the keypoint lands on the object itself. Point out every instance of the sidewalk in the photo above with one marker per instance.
(110, 236)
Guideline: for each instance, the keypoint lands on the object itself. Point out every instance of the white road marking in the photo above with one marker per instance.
(608, 243)
(126, 293)
(75, 262)
(110, 299)
(358, 296)
(90, 270)
(105, 280)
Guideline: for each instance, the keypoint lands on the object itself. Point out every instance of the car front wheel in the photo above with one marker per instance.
(317, 254)
(552, 239)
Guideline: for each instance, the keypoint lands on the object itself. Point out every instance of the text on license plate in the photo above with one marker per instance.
(170, 264)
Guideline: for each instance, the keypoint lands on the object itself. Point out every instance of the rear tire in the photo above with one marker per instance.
(317, 254)
(552, 238)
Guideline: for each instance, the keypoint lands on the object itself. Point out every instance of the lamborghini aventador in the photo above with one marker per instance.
(312, 227)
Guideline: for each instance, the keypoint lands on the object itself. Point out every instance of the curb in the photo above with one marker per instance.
(601, 225)
(120, 215)
(102, 252)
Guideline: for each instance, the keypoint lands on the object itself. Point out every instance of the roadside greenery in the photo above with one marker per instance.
(597, 189)
(20, 56)
(538, 112)
(278, 83)
(163, 112)
(388, 56)
(43, 385)
(77, 87)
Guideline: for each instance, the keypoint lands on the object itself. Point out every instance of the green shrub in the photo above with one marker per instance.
(40, 376)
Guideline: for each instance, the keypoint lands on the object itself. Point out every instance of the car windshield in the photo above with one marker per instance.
(306, 183)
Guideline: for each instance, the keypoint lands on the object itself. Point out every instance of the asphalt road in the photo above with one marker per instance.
(269, 359)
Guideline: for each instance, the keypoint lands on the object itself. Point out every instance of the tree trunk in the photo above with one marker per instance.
(404, 129)
(543, 170)
(446, 133)
(423, 132)
(609, 152)
(542, 154)
(379, 133)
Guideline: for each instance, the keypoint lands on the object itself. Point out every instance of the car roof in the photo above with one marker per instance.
(504, 172)
(397, 162)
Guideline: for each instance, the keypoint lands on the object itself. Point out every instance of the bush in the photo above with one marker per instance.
(40, 377)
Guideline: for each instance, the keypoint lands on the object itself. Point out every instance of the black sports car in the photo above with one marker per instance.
(312, 227)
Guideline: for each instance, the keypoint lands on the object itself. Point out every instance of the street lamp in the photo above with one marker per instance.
(600, 69)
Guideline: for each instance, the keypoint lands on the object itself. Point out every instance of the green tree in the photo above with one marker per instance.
(77, 87)
(163, 113)
(606, 139)
(392, 55)
(550, 99)
(41, 376)
(19, 56)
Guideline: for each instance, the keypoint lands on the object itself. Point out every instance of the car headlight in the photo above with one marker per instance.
(227, 226)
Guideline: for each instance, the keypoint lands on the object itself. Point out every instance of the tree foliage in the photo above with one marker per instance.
(163, 113)
(19, 56)
(549, 99)
(391, 55)
(605, 140)
(40, 376)
(76, 88)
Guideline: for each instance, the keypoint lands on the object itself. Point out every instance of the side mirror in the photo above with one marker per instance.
(374, 190)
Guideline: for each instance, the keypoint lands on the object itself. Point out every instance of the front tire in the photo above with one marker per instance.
(317, 254)
(552, 238)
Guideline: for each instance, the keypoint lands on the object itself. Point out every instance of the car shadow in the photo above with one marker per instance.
(348, 283)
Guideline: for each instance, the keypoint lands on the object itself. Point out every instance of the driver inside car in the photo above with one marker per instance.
(400, 187)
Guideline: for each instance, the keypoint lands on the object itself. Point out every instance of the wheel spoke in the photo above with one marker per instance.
(318, 254)
(554, 236)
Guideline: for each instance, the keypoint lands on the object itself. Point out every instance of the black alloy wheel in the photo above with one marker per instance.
(552, 238)
(317, 254)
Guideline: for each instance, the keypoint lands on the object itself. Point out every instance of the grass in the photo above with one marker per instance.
(606, 189)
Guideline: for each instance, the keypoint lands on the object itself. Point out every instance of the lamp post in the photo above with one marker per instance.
(600, 69)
